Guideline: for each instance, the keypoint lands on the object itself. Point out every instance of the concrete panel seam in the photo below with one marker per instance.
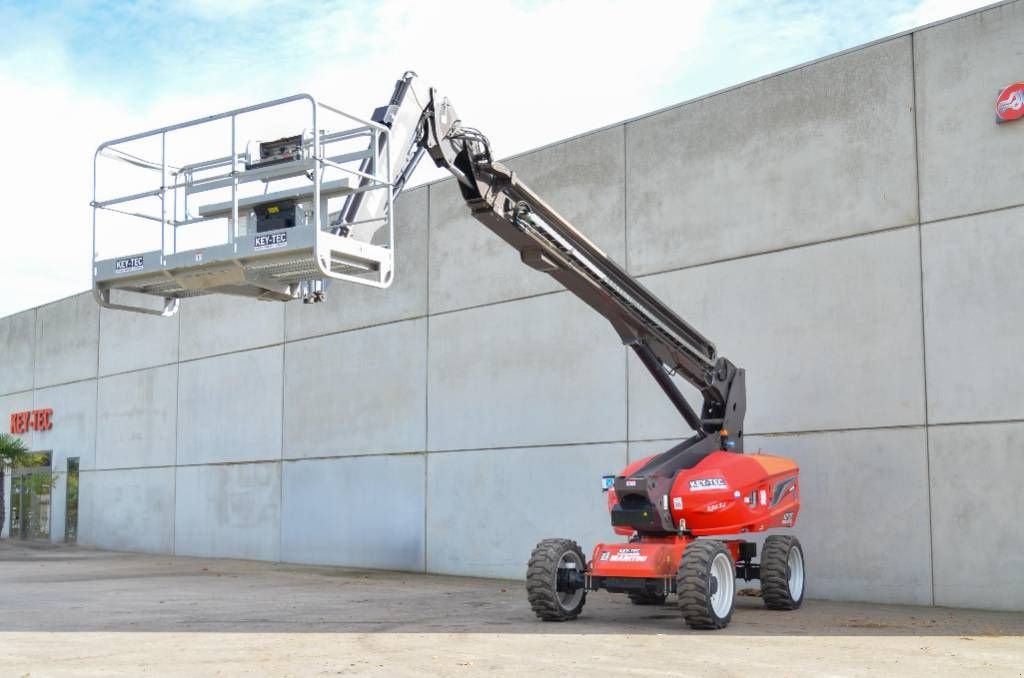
(978, 213)
(625, 252)
(345, 331)
(426, 405)
(35, 349)
(625, 198)
(924, 334)
(887, 427)
(177, 400)
(233, 352)
(497, 303)
(288, 460)
(816, 243)
(976, 422)
(280, 452)
(62, 383)
(527, 446)
(22, 392)
(140, 369)
(177, 466)
(793, 434)
(374, 455)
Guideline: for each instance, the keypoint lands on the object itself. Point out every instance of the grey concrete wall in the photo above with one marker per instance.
(849, 231)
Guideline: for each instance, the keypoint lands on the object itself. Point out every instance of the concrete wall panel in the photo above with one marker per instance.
(229, 407)
(358, 392)
(830, 336)
(74, 424)
(977, 504)
(215, 324)
(127, 510)
(230, 511)
(974, 319)
(136, 420)
(349, 305)
(864, 512)
(538, 371)
(358, 512)
(823, 151)
(87, 509)
(17, 351)
(966, 158)
(133, 341)
(67, 339)
(486, 510)
(582, 178)
(73, 435)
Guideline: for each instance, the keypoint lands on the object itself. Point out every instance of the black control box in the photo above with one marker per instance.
(272, 216)
(274, 152)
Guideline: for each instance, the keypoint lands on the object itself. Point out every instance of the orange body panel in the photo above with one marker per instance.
(648, 558)
(724, 494)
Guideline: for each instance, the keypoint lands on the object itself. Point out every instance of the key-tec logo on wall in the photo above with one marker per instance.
(36, 420)
(1010, 103)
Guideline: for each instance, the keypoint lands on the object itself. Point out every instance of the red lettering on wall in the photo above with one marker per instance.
(36, 420)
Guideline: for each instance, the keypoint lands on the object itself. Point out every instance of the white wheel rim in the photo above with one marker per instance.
(722, 570)
(566, 599)
(796, 573)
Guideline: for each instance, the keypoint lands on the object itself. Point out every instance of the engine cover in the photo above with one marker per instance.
(722, 493)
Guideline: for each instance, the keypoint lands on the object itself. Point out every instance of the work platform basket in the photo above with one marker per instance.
(256, 202)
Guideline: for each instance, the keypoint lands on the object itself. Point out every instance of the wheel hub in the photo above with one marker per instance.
(571, 596)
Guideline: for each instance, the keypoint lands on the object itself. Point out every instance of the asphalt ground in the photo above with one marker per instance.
(68, 611)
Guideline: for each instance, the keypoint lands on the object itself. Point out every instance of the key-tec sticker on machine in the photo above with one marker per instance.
(269, 241)
(701, 484)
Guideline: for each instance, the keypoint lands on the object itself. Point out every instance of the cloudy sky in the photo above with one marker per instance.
(527, 72)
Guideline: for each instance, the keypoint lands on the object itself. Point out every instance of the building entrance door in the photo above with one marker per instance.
(71, 503)
(30, 500)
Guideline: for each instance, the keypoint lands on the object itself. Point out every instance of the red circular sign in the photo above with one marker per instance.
(1010, 103)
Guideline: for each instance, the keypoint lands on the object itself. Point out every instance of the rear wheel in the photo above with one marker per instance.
(645, 598)
(782, 572)
(551, 557)
(706, 585)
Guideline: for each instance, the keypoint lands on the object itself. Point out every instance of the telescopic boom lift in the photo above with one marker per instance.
(668, 504)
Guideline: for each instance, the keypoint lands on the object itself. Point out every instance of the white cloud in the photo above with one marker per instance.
(928, 11)
(526, 73)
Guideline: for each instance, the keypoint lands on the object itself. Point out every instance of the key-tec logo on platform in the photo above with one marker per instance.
(1010, 103)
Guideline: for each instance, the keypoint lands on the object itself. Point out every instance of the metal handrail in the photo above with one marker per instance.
(174, 179)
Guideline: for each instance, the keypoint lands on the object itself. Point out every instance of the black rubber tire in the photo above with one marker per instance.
(542, 578)
(775, 572)
(693, 585)
(638, 598)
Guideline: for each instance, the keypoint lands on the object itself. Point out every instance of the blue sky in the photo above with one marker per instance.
(527, 73)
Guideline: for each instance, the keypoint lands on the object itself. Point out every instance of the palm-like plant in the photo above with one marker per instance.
(13, 453)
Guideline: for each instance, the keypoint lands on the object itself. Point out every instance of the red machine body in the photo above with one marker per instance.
(724, 494)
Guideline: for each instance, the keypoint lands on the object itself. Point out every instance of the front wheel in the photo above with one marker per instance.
(706, 585)
(555, 567)
(782, 572)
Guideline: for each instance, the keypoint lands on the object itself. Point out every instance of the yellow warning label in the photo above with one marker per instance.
(273, 210)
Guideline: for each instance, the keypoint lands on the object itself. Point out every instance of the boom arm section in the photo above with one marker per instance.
(546, 241)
